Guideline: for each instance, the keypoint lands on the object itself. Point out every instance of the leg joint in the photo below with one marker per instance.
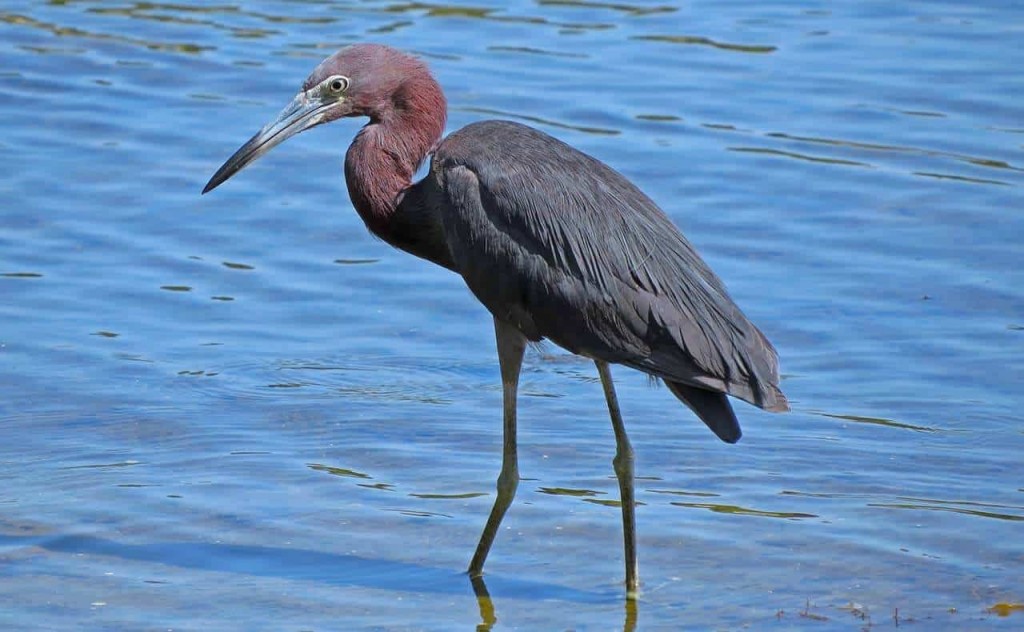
(508, 481)
(623, 462)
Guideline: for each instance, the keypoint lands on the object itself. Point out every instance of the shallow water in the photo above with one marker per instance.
(240, 411)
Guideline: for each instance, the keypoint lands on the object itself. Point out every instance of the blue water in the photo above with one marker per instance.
(242, 412)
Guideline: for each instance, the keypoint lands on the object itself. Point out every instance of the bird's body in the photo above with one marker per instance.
(563, 247)
(554, 243)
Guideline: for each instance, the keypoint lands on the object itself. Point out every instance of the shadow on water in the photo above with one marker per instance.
(330, 568)
(299, 564)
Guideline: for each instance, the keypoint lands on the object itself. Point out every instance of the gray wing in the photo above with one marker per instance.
(565, 248)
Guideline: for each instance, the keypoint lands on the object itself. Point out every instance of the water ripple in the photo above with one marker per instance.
(706, 41)
(73, 31)
(628, 9)
(882, 147)
(542, 121)
(431, 10)
(535, 51)
(878, 421)
(809, 158)
(423, 380)
(970, 512)
(744, 511)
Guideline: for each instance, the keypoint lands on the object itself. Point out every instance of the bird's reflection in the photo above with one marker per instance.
(629, 624)
(483, 601)
(488, 617)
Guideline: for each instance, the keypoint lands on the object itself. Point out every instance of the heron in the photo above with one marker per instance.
(555, 244)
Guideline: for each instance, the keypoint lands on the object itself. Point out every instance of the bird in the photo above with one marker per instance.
(553, 242)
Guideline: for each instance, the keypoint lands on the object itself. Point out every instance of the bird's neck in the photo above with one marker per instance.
(385, 155)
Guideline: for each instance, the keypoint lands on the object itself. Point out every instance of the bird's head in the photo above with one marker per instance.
(361, 80)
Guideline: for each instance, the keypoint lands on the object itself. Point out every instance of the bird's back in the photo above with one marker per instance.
(565, 248)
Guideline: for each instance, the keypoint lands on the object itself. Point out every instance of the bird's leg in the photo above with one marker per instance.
(623, 464)
(511, 346)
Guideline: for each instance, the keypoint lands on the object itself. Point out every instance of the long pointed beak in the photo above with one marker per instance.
(302, 113)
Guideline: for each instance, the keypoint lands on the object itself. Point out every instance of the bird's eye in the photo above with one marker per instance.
(337, 84)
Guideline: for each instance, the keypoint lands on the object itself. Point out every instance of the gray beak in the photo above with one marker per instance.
(305, 111)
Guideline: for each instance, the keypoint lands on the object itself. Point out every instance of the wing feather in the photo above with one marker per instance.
(565, 248)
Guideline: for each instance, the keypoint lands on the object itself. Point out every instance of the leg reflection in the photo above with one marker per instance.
(488, 618)
(483, 601)
(629, 625)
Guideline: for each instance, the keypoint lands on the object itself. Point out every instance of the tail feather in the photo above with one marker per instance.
(712, 407)
(778, 403)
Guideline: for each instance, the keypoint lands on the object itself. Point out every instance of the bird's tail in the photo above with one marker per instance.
(712, 407)
(776, 401)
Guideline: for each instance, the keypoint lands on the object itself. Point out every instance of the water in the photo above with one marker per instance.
(240, 411)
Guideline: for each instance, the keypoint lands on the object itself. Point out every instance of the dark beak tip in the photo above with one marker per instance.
(217, 180)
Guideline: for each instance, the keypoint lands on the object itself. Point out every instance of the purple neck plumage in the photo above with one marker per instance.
(382, 160)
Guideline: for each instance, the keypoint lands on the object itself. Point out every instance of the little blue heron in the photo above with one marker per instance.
(553, 242)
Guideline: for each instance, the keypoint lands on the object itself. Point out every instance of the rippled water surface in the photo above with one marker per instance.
(240, 411)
